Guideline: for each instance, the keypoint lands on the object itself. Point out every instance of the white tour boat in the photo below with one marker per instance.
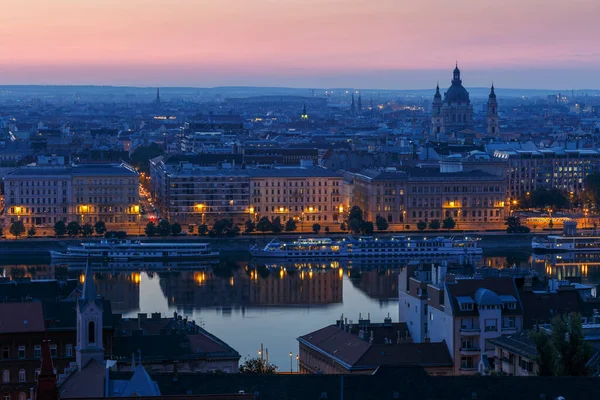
(565, 243)
(369, 246)
(135, 250)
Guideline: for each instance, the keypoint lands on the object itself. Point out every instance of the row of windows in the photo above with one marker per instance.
(319, 183)
(258, 192)
(37, 351)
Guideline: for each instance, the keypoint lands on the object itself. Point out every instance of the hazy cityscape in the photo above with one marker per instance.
(299, 215)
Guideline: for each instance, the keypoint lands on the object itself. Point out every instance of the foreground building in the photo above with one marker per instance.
(464, 313)
(85, 193)
(348, 348)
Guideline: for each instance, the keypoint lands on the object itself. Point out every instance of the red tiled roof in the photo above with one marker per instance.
(21, 317)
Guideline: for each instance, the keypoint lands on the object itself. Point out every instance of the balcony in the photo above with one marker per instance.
(470, 351)
(470, 331)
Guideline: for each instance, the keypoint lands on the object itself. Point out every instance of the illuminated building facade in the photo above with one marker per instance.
(83, 193)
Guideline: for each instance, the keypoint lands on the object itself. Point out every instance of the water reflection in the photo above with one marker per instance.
(576, 266)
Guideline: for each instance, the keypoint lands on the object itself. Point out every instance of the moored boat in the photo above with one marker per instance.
(134, 250)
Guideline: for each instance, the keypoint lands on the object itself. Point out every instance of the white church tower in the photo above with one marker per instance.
(492, 114)
(89, 324)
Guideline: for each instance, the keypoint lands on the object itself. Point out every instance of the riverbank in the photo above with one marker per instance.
(37, 247)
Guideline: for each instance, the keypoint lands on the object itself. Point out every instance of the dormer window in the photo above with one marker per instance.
(466, 307)
(511, 306)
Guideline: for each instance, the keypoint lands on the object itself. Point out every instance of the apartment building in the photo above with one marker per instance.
(463, 313)
(84, 193)
(194, 194)
(530, 169)
(304, 194)
(425, 194)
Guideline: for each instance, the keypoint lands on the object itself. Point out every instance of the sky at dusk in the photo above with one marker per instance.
(387, 44)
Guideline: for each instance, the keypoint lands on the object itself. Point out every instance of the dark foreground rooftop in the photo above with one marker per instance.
(387, 383)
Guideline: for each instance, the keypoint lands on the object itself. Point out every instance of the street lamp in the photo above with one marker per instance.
(291, 365)
(18, 212)
(297, 364)
(199, 208)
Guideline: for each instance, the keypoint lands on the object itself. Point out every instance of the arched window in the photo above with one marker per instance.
(21, 375)
(5, 376)
(91, 332)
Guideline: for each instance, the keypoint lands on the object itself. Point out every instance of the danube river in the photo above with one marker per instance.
(247, 303)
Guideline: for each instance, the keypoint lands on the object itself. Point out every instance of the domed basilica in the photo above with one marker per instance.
(455, 112)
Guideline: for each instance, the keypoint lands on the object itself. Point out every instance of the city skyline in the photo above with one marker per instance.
(310, 43)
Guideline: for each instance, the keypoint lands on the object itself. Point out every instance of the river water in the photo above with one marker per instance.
(246, 303)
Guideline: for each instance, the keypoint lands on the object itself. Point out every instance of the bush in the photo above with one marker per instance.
(175, 229)
(73, 228)
(164, 228)
(150, 229)
(316, 228)
(60, 228)
(203, 229)
(276, 225)
(449, 223)
(17, 229)
(421, 225)
(381, 223)
(290, 225)
(434, 224)
(249, 226)
(264, 225)
(100, 228)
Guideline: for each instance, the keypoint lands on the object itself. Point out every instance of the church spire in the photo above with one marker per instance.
(157, 96)
(304, 115)
(353, 106)
(89, 287)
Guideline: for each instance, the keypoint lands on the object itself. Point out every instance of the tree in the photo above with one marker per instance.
(17, 228)
(343, 227)
(316, 228)
(544, 198)
(449, 223)
(276, 225)
(222, 226)
(60, 228)
(263, 225)
(290, 225)
(326, 229)
(150, 229)
(381, 223)
(257, 366)
(514, 225)
(355, 213)
(163, 228)
(73, 228)
(250, 226)
(366, 227)
(175, 229)
(191, 229)
(141, 156)
(100, 228)
(31, 231)
(421, 225)
(202, 229)
(354, 225)
(87, 230)
(564, 352)
(434, 224)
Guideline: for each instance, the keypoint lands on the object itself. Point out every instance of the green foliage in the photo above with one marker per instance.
(141, 156)
(290, 225)
(355, 213)
(224, 227)
(100, 228)
(564, 352)
(316, 228)
(544, 198)
(163, 228)
(514, 225)
(257, 366)
(73, 228)
(60, 228)
(150, 229)
(17, 228)
(190, 229)
(449, 223)
(276, 225)
(87, 230)
(31, 231)
(249, 226)
(354, 225)
(366, 227)
(435, 224)
(421, 225)
(592, 190)
(381, 223)
(175, 229)
(263, 225)
(203, 229)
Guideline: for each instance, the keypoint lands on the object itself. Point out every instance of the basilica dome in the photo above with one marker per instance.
(456, 92)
